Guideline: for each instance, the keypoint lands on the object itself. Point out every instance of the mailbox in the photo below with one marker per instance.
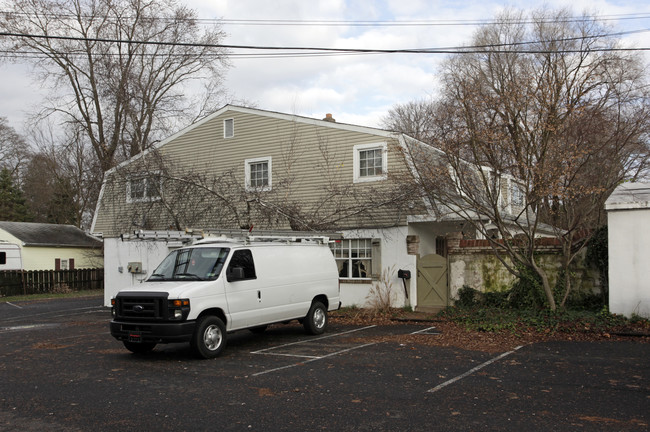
(404, 274)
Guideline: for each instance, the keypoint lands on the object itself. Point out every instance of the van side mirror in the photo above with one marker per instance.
(236, 273)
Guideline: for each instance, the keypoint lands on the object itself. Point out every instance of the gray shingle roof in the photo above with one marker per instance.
(629, 196)
(52, 235)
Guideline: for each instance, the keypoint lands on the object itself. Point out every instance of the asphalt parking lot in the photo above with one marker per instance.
(60, 370)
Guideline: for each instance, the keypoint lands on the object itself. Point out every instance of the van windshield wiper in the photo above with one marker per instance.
(157, 275)
(189, 275)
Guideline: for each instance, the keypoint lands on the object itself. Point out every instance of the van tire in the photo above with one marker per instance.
(139, 348)
(315, 322)
(209, 338)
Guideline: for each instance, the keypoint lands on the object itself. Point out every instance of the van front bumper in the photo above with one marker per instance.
(152, 332)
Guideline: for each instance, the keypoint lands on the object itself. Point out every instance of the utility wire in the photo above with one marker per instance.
(364, 23)
(312, 50)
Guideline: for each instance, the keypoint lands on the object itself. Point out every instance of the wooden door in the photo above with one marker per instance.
(432, 282)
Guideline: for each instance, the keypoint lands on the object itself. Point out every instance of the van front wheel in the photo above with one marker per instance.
(209, 337)
(316, 320)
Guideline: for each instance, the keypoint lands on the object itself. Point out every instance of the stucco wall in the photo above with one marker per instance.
(394, 256)
(118, 254)
(472, 263)
(629, 257)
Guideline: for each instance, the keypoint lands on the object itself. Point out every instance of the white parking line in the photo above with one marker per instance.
(16, 306)
(471, 371)
(310, 359)
(424, 331)
(264, 351)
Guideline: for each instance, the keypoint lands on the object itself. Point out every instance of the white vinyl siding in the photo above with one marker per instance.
(306, 158)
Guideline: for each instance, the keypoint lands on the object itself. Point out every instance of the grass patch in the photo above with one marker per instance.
(31, 297)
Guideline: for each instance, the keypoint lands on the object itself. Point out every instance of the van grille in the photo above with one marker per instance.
(141, 308)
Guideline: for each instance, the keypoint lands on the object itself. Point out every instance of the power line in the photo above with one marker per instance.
(301, 51)
(363, 23)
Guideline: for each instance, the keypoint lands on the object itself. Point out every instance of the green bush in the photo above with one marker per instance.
(527, 291)
(467, 296)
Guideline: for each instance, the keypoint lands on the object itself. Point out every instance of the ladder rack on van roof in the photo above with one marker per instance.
(289, 239)
(238, 236)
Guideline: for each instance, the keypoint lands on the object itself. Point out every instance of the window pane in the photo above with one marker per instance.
(137, 188)
(370, 162)
(153, 185)
(259, 174)
(353, 258)
(228, 128)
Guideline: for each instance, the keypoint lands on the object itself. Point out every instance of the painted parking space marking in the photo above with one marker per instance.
(294, 344)
(312, 359)
(471, 371)
(16, 306)
(27, 327)
(429, 331)
(305, 350)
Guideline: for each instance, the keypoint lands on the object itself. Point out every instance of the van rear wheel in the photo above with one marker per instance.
(315, 322)
(209, 337)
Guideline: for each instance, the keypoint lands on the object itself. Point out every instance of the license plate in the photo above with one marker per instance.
(135, 337)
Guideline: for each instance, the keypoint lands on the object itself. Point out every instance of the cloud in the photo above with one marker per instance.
(357, 89)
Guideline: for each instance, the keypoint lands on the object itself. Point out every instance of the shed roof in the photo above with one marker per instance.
(629, 196)
(50, 235)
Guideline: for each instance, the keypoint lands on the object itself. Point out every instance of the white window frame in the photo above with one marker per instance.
(247, 173)
(232, 128)
(514, 185)
(343, 252)
(147, 196)
(357, 164)
(498, 183)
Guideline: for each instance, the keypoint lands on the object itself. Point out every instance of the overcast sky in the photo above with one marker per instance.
(357, 89)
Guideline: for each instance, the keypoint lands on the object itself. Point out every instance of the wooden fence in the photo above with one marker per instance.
(22, 282)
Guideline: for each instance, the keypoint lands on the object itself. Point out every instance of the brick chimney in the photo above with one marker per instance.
(329, 118)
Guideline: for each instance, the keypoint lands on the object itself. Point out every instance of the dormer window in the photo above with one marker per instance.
(143, 188)
(518, 194)
(229, 128)
(370, 162)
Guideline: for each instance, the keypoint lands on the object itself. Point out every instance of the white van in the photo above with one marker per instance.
(10, 257)
(201, 293)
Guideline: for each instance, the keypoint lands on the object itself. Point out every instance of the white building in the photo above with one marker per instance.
(628, 221)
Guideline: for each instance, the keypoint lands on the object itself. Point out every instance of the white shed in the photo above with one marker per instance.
(628, 222)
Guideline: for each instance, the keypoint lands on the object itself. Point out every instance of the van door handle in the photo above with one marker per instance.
(259, 295)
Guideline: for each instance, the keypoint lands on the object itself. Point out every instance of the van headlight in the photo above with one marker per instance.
(178, 309)
(113, 306)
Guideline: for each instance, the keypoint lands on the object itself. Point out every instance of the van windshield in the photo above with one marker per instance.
(191, 264)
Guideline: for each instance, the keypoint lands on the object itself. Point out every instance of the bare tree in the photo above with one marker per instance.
(118, 69)
(538, 127)
(415, 119)
(14, 150)
(62, 178)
